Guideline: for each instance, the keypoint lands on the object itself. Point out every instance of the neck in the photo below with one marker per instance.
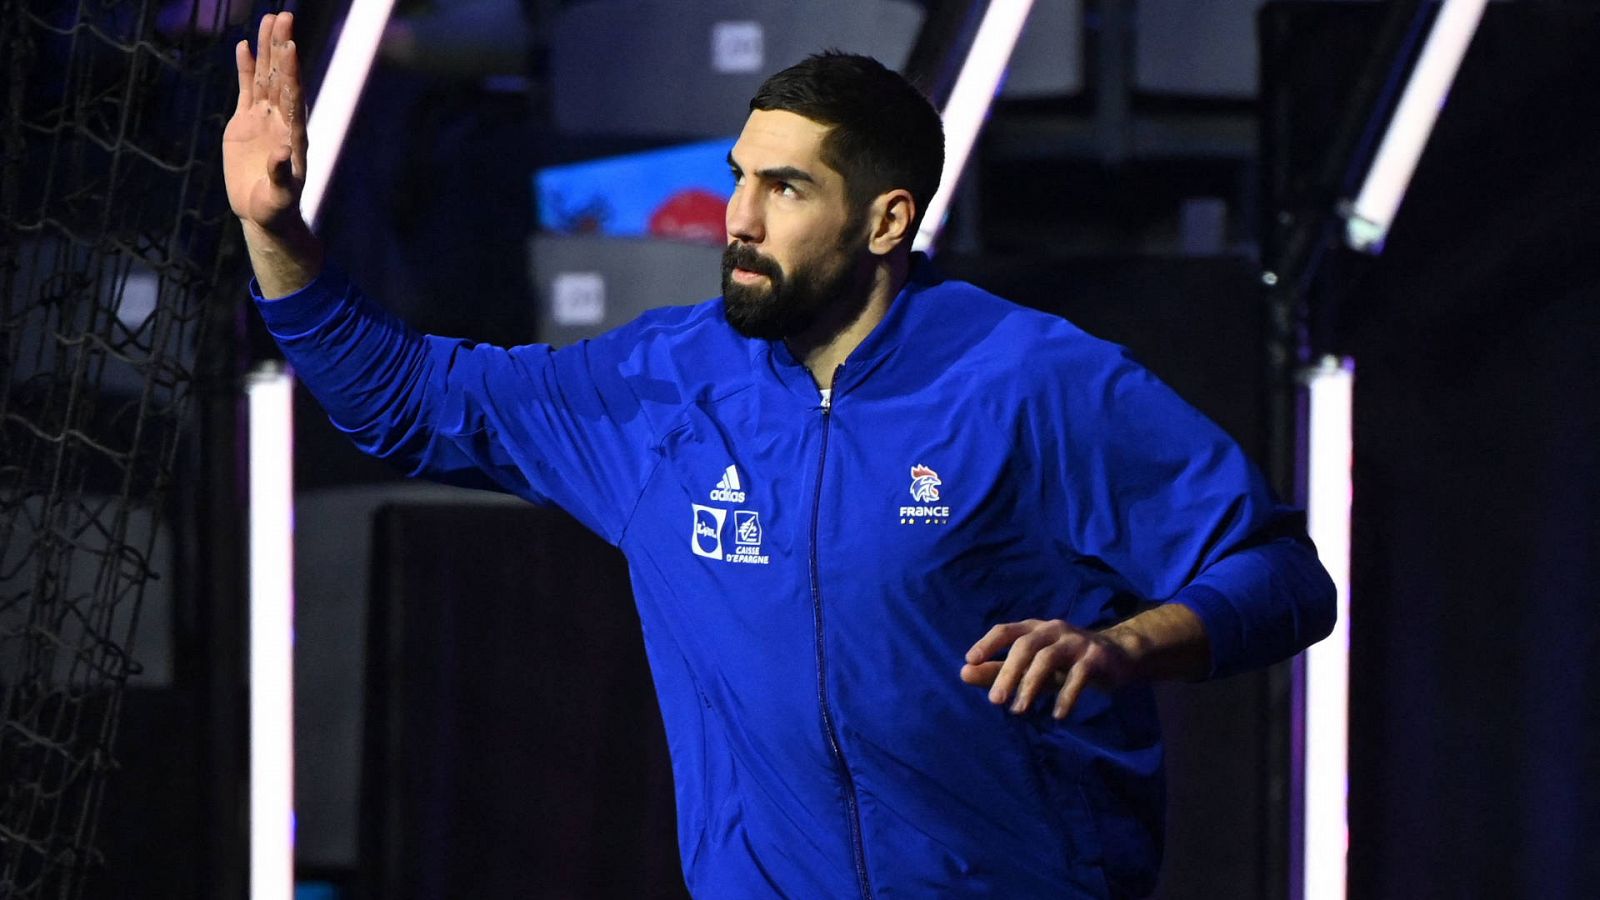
(825, 346)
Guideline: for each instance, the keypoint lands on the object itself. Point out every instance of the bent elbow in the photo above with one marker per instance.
(1321, 607)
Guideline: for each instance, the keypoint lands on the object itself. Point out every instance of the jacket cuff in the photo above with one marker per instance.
(1223, 624)
(305, 309)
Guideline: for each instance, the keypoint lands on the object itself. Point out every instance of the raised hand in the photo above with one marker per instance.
(264, 146)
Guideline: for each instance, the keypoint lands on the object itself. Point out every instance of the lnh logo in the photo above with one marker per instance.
(707, 538)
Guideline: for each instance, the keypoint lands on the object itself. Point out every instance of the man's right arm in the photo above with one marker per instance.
(562, 428)
(264, 160)
(557, 428)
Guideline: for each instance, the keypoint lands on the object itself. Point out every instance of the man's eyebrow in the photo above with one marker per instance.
(786, 173)
(777, 173)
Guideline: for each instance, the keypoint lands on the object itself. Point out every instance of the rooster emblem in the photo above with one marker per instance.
(924, 484)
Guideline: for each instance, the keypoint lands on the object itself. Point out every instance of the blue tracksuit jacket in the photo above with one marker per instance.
(809, 575)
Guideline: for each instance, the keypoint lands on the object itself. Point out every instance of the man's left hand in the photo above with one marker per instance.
(1045, 656)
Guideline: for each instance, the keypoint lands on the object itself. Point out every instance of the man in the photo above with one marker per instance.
(844, 488)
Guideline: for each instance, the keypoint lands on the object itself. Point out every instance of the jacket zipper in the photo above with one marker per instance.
(822, 696)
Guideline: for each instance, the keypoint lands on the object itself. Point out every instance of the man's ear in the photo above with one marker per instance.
(891, 216)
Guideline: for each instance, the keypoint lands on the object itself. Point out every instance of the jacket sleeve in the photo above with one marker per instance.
(1155, 490)
(555, 427)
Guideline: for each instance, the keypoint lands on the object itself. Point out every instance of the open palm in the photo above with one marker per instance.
(264, 146)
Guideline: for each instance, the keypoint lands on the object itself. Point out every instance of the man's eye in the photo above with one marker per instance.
(787, 189)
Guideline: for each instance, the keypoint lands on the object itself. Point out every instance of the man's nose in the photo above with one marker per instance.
(743, 218)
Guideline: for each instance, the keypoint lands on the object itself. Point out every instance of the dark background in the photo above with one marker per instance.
(1475, 720)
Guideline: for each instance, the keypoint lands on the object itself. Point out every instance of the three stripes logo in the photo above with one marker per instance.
(710, 521)
(728, 490)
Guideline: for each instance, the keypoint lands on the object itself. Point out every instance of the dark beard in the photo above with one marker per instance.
(784, 307)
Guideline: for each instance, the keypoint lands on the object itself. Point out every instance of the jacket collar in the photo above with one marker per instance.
(879, 346)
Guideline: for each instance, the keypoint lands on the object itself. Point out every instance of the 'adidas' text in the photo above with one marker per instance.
(728, 490)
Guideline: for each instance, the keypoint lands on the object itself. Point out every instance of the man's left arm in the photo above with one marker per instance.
(1147, 485)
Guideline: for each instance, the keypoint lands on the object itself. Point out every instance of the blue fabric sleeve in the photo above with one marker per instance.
(1261, 604)
(555, 427)
(1157, 491)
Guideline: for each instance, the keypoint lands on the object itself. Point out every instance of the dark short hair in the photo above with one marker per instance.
(885, 134)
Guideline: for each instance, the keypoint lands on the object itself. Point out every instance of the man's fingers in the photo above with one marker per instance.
(263, 56)
(1047, 665)
(998, 638)
(1077, 679)
(1039, 656)
(247, 74)
(283, 27)
(1020, 640)
(1015, 666)
(288, 61)
(982, 674)
(292, 105)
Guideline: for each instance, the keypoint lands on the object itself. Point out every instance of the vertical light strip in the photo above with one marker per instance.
(969, 103)
(1368, 219)
(269, 393)
(336, 100)
(1327, 663)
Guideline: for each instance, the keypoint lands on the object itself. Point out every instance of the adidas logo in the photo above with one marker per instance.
(728, 490)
